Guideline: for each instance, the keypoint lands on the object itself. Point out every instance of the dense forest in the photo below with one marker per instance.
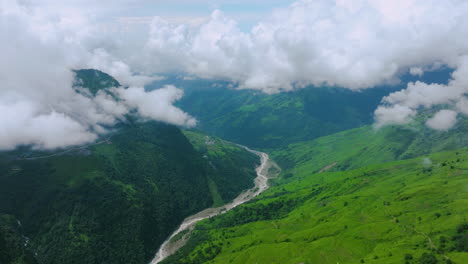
(271, 121)
(114, 201)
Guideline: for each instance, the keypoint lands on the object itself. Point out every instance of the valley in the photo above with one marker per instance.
(150, 192)
(234, 132)
(265, 171)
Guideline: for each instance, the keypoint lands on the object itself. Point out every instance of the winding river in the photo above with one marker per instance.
(169, 246)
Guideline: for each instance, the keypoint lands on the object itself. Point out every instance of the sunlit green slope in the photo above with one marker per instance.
(411, 211)
(367, 145)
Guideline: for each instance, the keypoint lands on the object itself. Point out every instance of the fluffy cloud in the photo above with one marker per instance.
(38, 104)
(442, 120)
(358, 44)
(353, 44)
(157, 104)
(419, 95)
(417, 71)
(23, 123)
(393, 115)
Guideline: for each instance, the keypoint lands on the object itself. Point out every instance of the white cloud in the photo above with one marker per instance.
(417, 71)
(358, 45)
(39, 48)
(443, 120)
(157, 104)
(393, 115)
(462, 106)
(426, 162)
(422, 95)
(354, 44)
(22, 122)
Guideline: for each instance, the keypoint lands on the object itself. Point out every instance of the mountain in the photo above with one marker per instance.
(93, 81)
(271, 121)
(116, 200)
(366, 145)
(410, 211)
(231, 164)
(392, 195)
(12, 244)
(348, 192)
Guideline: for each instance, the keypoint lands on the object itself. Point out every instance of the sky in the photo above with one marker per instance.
(271, 46)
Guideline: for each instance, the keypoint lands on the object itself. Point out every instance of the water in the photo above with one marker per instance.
(261, 184)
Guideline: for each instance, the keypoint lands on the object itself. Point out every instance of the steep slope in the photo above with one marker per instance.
(12, 243)
(365, 145)
(231, 166)
(411, 211)
(113, 201)
(270, 121)
(93, 80)
(266, 121)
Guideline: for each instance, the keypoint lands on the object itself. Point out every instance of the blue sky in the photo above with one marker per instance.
(246, 13)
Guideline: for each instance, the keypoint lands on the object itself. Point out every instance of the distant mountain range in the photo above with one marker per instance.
(270, 121)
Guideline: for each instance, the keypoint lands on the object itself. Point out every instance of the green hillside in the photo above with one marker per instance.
(366, 145)
(270, 121)
(12, 243)
(93, 80)
(411, 211)
(231, 164)
(118, 200)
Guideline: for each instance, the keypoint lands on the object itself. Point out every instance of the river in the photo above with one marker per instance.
(169, 247)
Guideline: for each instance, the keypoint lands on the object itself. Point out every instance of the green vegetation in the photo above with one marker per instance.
(365, 145)
(116, 201)
(393, 195)
(270, 121)
(232, 166)
(12, 244)
(93, 81)
(407, 211)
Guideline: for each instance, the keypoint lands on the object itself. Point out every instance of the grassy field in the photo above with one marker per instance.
(411, 211)
(366, 145)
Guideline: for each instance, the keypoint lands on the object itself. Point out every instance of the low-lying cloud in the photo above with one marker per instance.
(442, 120)
(419, 95)
(352, 44)
(38, 103)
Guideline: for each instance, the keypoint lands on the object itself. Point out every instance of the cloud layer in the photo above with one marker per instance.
(353, 44)
(38, 104)
(400, 107)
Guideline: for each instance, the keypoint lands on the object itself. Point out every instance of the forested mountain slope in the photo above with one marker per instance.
(113, 201)
(271, 121)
